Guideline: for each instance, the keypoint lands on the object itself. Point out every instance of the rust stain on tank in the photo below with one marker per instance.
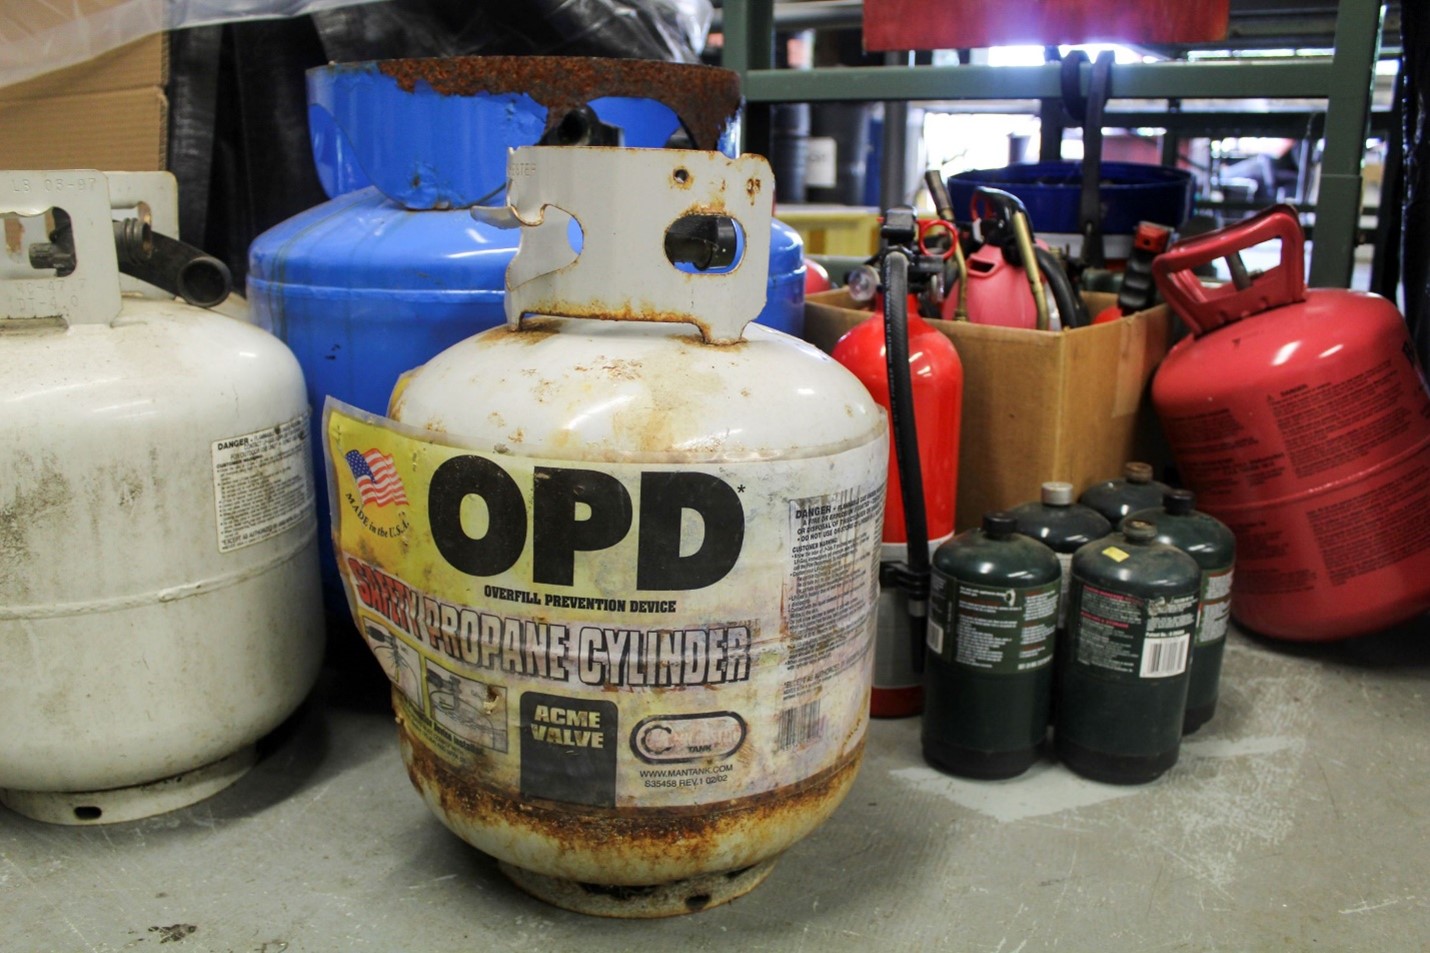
(623, 370)
(629, 834)
(627, 311)
(14, 234)
(704, 98)
(532, 330)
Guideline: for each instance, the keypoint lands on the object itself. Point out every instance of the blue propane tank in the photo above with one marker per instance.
(394, 268)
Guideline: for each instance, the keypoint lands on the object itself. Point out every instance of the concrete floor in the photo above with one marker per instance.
(1298, 819)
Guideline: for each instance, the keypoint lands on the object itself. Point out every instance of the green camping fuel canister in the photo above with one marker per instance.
(1131, 617)
(1063, 526)
(1207, 540)
(1134, 490)
(988, 678)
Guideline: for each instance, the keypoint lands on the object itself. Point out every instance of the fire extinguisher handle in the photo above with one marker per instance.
(1206, 308)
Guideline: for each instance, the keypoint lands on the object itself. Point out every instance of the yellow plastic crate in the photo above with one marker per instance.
(834, 229)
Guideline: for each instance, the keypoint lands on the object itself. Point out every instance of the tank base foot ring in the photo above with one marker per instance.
(642, 902)
(115, 805)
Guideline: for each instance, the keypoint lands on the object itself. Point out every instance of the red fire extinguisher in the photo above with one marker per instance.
(1301, 419)
(936, 378)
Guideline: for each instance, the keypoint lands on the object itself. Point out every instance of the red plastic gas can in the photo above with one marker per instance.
(938, 397)
(1301, 419)
(998, 292)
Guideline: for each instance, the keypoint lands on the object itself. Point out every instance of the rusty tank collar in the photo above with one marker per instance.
(704, 98)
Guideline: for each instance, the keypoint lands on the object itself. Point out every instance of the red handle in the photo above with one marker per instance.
(927, 225)
(1208, 308)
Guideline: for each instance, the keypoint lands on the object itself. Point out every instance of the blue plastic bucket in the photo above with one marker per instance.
(1052, 191)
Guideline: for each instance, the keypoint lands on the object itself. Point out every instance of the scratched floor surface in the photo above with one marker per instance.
(1298, 819)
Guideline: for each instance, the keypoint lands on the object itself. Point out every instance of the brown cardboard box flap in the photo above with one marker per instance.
(122, 130)
(1038, 405)
(132, 66)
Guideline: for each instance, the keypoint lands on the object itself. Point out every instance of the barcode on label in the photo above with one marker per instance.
(800, 724)
(1163, 657)
(935, 637)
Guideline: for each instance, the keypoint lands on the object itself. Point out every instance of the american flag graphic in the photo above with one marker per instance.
(376, 478)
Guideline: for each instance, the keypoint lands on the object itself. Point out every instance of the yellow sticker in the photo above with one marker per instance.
(1115, 554)
(702, 633)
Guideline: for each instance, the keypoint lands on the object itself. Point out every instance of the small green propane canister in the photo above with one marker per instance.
(1207, 540)
(987, 682)
(1131, 616)
(1115, 499)
(1061, 525)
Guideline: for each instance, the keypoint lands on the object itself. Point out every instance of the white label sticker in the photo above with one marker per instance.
(263, 483)
(935, 637)
(821, 163)
(1065, 561)
(1164, 657)
(1215, 612)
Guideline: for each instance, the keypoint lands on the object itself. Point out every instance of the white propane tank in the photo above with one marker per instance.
(159, 609)
(622, 570)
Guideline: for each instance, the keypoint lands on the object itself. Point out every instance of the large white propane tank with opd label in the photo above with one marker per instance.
(159, 609)
(622, 564)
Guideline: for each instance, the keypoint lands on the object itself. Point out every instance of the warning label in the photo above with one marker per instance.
(997, 630)
(1335, 423)
(1214, 612)
(263, 483)
(1126, 637)
(831, 569)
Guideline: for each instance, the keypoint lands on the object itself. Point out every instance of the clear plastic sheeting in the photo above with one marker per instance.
(37, 36)
(680, 24)
(670, 30)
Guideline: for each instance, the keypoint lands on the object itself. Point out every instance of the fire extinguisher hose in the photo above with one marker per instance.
(895, 278)
(1071, 311)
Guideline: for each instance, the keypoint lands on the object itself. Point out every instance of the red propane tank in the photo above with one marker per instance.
(937, 377)
(1301, 419)
(816, 277)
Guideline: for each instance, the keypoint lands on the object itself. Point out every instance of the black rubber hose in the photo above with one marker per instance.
(895, 278)
(1071, 311)
(167, 263)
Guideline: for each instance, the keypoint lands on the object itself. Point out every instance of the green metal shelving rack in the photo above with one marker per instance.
(1343, 79)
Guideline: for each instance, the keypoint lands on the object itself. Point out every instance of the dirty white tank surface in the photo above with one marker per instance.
(629, 608)
(158, 592)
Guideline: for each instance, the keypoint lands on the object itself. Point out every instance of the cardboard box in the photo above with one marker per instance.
(106, 113)
(1038, 405)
